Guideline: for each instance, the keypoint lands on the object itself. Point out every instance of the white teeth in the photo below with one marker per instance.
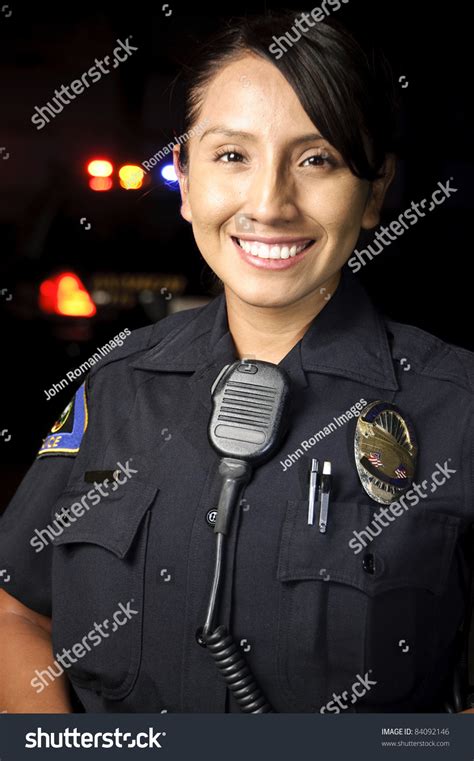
(264, 251)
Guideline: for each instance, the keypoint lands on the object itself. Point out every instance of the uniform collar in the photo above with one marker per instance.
(347, 339)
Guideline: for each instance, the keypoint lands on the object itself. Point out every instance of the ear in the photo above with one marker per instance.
(183, 184)
(377, 191)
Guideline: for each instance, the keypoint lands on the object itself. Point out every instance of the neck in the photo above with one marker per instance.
(269, 333)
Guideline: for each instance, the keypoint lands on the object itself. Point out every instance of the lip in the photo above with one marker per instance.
(280, 241)
(272, 264)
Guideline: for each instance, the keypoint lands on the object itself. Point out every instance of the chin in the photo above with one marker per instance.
(262, 296)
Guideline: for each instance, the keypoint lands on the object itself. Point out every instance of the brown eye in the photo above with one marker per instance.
(233, 157)
(319, 159)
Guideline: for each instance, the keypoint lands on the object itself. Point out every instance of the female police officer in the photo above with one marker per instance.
(109, 541)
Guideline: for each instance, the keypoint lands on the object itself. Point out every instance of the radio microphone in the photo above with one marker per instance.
(249, 420)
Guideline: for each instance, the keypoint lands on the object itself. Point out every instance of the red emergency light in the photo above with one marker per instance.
(100, 171)
(100, 168)
(65, 294)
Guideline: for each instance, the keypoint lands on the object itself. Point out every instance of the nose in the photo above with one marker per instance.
(271, 195)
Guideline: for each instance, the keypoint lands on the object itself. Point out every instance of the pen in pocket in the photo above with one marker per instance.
(324, 492)
(313, 488)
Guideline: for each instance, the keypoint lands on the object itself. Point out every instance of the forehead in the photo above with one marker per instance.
(252, 95)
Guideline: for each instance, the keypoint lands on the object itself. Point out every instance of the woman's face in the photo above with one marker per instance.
(262, 183)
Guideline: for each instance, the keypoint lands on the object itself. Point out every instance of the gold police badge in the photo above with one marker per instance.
(385, 450)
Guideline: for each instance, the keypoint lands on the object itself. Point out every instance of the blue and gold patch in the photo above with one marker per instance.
(66, 434)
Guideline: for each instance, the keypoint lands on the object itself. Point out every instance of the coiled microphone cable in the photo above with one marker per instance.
(249, 419)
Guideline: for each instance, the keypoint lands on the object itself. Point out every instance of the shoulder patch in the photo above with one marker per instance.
(66, 434)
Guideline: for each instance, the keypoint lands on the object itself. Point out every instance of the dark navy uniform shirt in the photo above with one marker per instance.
(310, 612)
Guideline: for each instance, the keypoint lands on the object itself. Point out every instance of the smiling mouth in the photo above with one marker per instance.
(273, 250)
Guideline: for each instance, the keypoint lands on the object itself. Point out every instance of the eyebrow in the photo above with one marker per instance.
(219, 130)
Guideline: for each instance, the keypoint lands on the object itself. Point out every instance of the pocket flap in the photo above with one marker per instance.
(111, 522)
(415, 550)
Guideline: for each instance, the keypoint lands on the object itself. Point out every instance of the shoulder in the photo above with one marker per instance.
(140, 341)
(430, 356)
(110, 384)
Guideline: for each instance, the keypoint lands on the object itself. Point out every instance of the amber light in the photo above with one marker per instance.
(131, 176)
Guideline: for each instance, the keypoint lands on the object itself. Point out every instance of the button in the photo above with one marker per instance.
(246, 368)
(368, 563)
(211, 516)
(198, 635)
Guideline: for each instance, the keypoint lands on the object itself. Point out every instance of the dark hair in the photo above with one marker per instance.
(348, 92)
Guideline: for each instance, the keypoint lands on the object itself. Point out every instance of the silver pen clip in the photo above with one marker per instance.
(313, 488)
(324, 491)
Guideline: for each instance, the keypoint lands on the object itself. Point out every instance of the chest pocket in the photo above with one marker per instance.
(97, 586)
(376, 611)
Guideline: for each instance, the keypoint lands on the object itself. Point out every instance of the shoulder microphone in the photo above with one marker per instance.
(250, 410)
(249, 419)
(248, 422)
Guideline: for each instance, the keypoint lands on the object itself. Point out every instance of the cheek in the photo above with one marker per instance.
(338, 207)
(213, 201)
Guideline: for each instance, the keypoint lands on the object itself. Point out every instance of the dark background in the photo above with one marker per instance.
(424, 278)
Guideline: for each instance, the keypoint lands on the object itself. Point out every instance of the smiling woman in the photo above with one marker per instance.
(294, 160)
(299, 150)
